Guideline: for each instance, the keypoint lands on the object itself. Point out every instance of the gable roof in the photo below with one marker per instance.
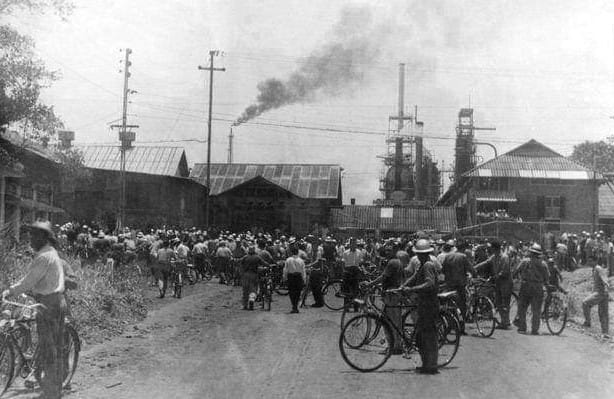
(532, 160)
(401, 219)
(163, 161)
(305, 181)
(606, 200)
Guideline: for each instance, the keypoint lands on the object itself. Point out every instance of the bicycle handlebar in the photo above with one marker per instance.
(23, 305)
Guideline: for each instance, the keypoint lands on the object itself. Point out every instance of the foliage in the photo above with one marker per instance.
(104, 302)
(603, 154)
(72, 165)
(23, 74)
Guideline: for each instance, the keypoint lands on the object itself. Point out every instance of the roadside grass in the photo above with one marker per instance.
(579, 285)
(105, 300)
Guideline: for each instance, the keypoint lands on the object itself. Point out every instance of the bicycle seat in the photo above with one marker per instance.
(447, 295)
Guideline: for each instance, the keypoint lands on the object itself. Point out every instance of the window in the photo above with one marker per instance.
(552, 208)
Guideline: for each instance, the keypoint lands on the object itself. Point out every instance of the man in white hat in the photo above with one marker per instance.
(45, 281)
(534, 275)
(424, 282)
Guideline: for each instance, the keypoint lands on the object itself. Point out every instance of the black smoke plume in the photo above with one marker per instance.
(338, 67)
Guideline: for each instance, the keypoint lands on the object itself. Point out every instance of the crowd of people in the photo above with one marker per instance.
(417, 264)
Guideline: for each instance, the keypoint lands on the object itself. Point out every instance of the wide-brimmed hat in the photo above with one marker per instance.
(43, 225)
(536, 249)
(422, 246)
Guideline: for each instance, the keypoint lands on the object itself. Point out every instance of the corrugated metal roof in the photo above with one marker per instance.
(164, 161)
(404, 219)
(532, 160)
(495, 196)
(305, 181)
(606, 201)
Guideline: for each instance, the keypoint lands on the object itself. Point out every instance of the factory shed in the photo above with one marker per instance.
(291, 197)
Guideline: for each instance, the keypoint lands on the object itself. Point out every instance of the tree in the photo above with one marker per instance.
(23, 74)
(602, 152)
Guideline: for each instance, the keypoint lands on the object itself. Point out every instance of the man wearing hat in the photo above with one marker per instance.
(534, 275)
(45, 281)
(424, 283)
(498, 267)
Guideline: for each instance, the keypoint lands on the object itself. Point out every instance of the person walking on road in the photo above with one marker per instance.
(599, 297)
(424, 282)
(45, 281)
(294, 273)
(249, 277)
(534, 275)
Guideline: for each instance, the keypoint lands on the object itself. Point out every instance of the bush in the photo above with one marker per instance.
(104, 302)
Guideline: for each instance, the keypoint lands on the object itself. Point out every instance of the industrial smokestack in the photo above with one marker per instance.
(336, 68)
(419, 193)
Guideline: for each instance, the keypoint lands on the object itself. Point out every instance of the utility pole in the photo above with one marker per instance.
(125, 137)
(210, 68)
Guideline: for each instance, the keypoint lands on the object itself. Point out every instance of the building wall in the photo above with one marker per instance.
(580, 200)
(151, 200)
(264, 205)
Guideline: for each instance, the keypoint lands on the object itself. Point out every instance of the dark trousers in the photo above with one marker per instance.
(426, 333)
(503, 295)
(163, 273)
(315, 284)
(249, 283)
(461, 301)
(50, 324)
(199, 264)
(530, 294)
(295, 286)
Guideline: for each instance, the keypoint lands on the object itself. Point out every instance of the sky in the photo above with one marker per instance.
(542, 70)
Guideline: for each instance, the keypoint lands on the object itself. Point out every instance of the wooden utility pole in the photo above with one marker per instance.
(210, 68)
(126, 138)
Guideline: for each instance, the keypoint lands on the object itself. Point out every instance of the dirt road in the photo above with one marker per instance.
(204, 346)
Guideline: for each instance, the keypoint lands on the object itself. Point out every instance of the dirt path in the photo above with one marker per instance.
(204, 346)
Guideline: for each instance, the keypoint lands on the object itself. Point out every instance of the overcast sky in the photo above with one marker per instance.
(532, 69)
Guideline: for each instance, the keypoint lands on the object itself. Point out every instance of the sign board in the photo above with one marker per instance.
(386, 213)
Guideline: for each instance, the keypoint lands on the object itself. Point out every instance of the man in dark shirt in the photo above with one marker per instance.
(456, 266)
(424, 283)
(249, 277)
(498, 267)
(533, 276)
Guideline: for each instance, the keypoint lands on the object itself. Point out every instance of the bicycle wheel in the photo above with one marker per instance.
(332, 295)
(349, 312)
(556, 315)
(72, 347)
(484, 316)
(449, 335)
(7, 365)
(365, 354)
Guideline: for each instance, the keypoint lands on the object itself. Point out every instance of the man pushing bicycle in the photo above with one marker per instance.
(45, 282)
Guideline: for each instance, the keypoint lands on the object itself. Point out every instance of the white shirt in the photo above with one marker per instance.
(46, 274)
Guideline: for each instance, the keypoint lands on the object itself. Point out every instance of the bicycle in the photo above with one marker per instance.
(555, 309)
(480, 308)
(332, 294)
(265, 289)
(176, 277)
(280, 286)
(367, 339)
(19, 350)
(369, 300)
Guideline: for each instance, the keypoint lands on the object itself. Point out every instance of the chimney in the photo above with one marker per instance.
(352, 201)
(66, 137)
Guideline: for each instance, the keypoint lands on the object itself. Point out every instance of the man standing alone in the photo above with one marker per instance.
(294, 273)
(599, 297)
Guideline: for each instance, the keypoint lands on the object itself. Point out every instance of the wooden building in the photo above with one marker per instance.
(382, 221)
(158, 188)
(529, 184)
(29, 183)
(292, 198)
